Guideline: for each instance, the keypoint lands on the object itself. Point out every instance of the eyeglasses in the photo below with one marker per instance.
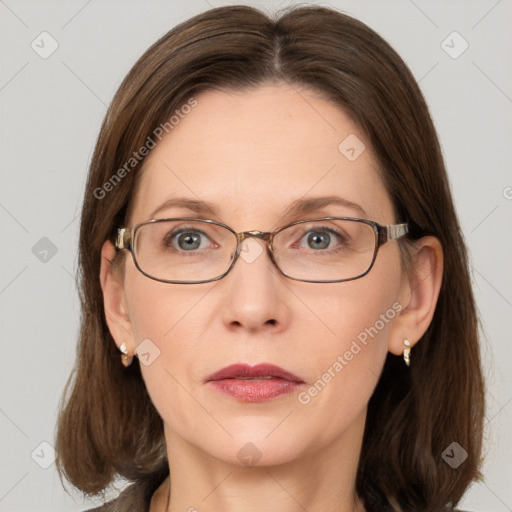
(189, 250)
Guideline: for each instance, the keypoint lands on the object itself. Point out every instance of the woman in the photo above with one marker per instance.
(268, 226)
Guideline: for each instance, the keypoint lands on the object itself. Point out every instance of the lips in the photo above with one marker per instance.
(259, 372)
(259, 383)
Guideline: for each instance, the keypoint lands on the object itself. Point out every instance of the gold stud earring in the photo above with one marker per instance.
(125, 358)
(407, 352)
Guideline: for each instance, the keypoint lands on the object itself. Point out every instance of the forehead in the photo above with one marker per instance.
(252, 153)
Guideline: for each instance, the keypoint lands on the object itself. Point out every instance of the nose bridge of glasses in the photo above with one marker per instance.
(263, 235)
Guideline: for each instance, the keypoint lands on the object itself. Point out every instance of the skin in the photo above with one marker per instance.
(252, 153)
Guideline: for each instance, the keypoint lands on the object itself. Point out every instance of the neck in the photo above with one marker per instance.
(320, 481)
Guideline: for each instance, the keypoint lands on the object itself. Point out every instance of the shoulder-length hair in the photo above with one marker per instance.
(108, 426)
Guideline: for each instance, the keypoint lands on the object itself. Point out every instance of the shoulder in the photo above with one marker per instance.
(135, 498)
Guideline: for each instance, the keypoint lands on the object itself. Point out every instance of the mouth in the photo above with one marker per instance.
(263, 371)
(255, 378)
(254, 383)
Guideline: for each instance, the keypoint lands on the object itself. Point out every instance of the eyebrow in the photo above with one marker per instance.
(299, 207)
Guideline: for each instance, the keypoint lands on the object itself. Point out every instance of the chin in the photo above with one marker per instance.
(257, 448)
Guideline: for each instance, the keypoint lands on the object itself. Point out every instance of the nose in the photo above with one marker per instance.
(254, 290)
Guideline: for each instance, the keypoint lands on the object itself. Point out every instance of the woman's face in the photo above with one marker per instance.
(251, 154)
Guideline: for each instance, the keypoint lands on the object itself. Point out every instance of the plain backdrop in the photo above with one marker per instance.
(52, 107)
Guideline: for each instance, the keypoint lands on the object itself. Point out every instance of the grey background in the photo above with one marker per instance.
(51, 113)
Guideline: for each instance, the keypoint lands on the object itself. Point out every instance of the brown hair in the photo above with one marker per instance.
(108, 426)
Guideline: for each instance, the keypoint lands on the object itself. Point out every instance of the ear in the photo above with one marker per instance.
(114, 300)
(418, 294)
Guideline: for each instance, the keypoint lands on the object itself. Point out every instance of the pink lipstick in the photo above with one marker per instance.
(254, 383)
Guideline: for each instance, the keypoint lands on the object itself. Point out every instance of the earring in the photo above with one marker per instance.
(407, 352)
(125, 358)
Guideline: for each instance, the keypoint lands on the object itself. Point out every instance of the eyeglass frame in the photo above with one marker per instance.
(383, 234)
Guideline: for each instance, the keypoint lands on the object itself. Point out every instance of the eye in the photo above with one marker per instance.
(323, 238)
(186, 239)
(318, 240)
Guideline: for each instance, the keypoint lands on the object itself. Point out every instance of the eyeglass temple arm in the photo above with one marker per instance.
(392, 232)
(124, 239)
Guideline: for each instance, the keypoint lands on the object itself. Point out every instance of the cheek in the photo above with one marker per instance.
(354, 340)
(173, 331)
(347, 357)
(159, 311)
(357, 313)
(166, 326)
